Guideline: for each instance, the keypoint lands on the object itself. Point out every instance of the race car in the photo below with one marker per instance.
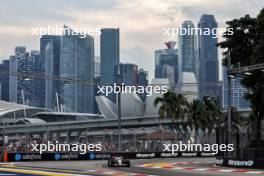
(118, 161)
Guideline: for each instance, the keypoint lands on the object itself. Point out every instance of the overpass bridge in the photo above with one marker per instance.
(101, 124)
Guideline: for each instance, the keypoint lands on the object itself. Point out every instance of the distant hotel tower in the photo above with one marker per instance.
(208, 58)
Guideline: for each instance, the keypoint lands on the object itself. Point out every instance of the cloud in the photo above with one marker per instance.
(141, 22)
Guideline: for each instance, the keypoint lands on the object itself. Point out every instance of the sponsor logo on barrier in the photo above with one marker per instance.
(69, 156)
(91, 156)
(219, 161)
(248, 163)
(57, 156)
(189, 154)
(19, 157)
(145, 155)
(207, 154)
(168, 155)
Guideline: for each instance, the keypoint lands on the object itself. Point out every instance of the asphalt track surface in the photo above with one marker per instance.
(150, 167)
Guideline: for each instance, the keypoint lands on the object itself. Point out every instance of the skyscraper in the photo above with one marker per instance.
(187, 47)
(12, 79)
(50, 60)
(142, 81)
(142, 77)
(168, 57)
(96, 80)
(77, 62)
(237, 90)
(208, 57)
(4, 80)
(23, 63)
(109, 53)
(128, 73)
(166, 71)
(96, 67)
(39, 95)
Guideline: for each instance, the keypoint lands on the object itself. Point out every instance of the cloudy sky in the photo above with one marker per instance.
(141, 22)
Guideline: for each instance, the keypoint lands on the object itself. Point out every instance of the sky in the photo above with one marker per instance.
(141, 22)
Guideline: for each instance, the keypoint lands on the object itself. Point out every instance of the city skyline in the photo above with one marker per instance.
(138, 38)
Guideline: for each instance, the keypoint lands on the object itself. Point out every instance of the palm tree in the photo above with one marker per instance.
(206, 115)
(172, 106)
(212, 111)
(195, 116)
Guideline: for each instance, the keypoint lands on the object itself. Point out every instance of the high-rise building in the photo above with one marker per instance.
(187, 47)
(168, 57)
(12, 79)
(166, 71)
(96, 80)
(39, 96)
(237, 92)
(77, 62)
(208, 57)
(50, 59)
(96, 66)
(142, 77)
(24, 86)
(23, 63)
(4, 80)
(142, 81)
(109, 53)
(126, 73)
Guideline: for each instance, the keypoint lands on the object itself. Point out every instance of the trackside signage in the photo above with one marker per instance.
(232, 162)
(100, 156)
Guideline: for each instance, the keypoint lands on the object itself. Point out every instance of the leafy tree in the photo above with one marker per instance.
(246, 47)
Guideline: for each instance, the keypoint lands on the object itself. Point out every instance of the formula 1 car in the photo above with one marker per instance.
(118, 161)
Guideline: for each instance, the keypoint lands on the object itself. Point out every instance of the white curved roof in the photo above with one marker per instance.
(131, 105)
(8, 107)
(106, 107)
